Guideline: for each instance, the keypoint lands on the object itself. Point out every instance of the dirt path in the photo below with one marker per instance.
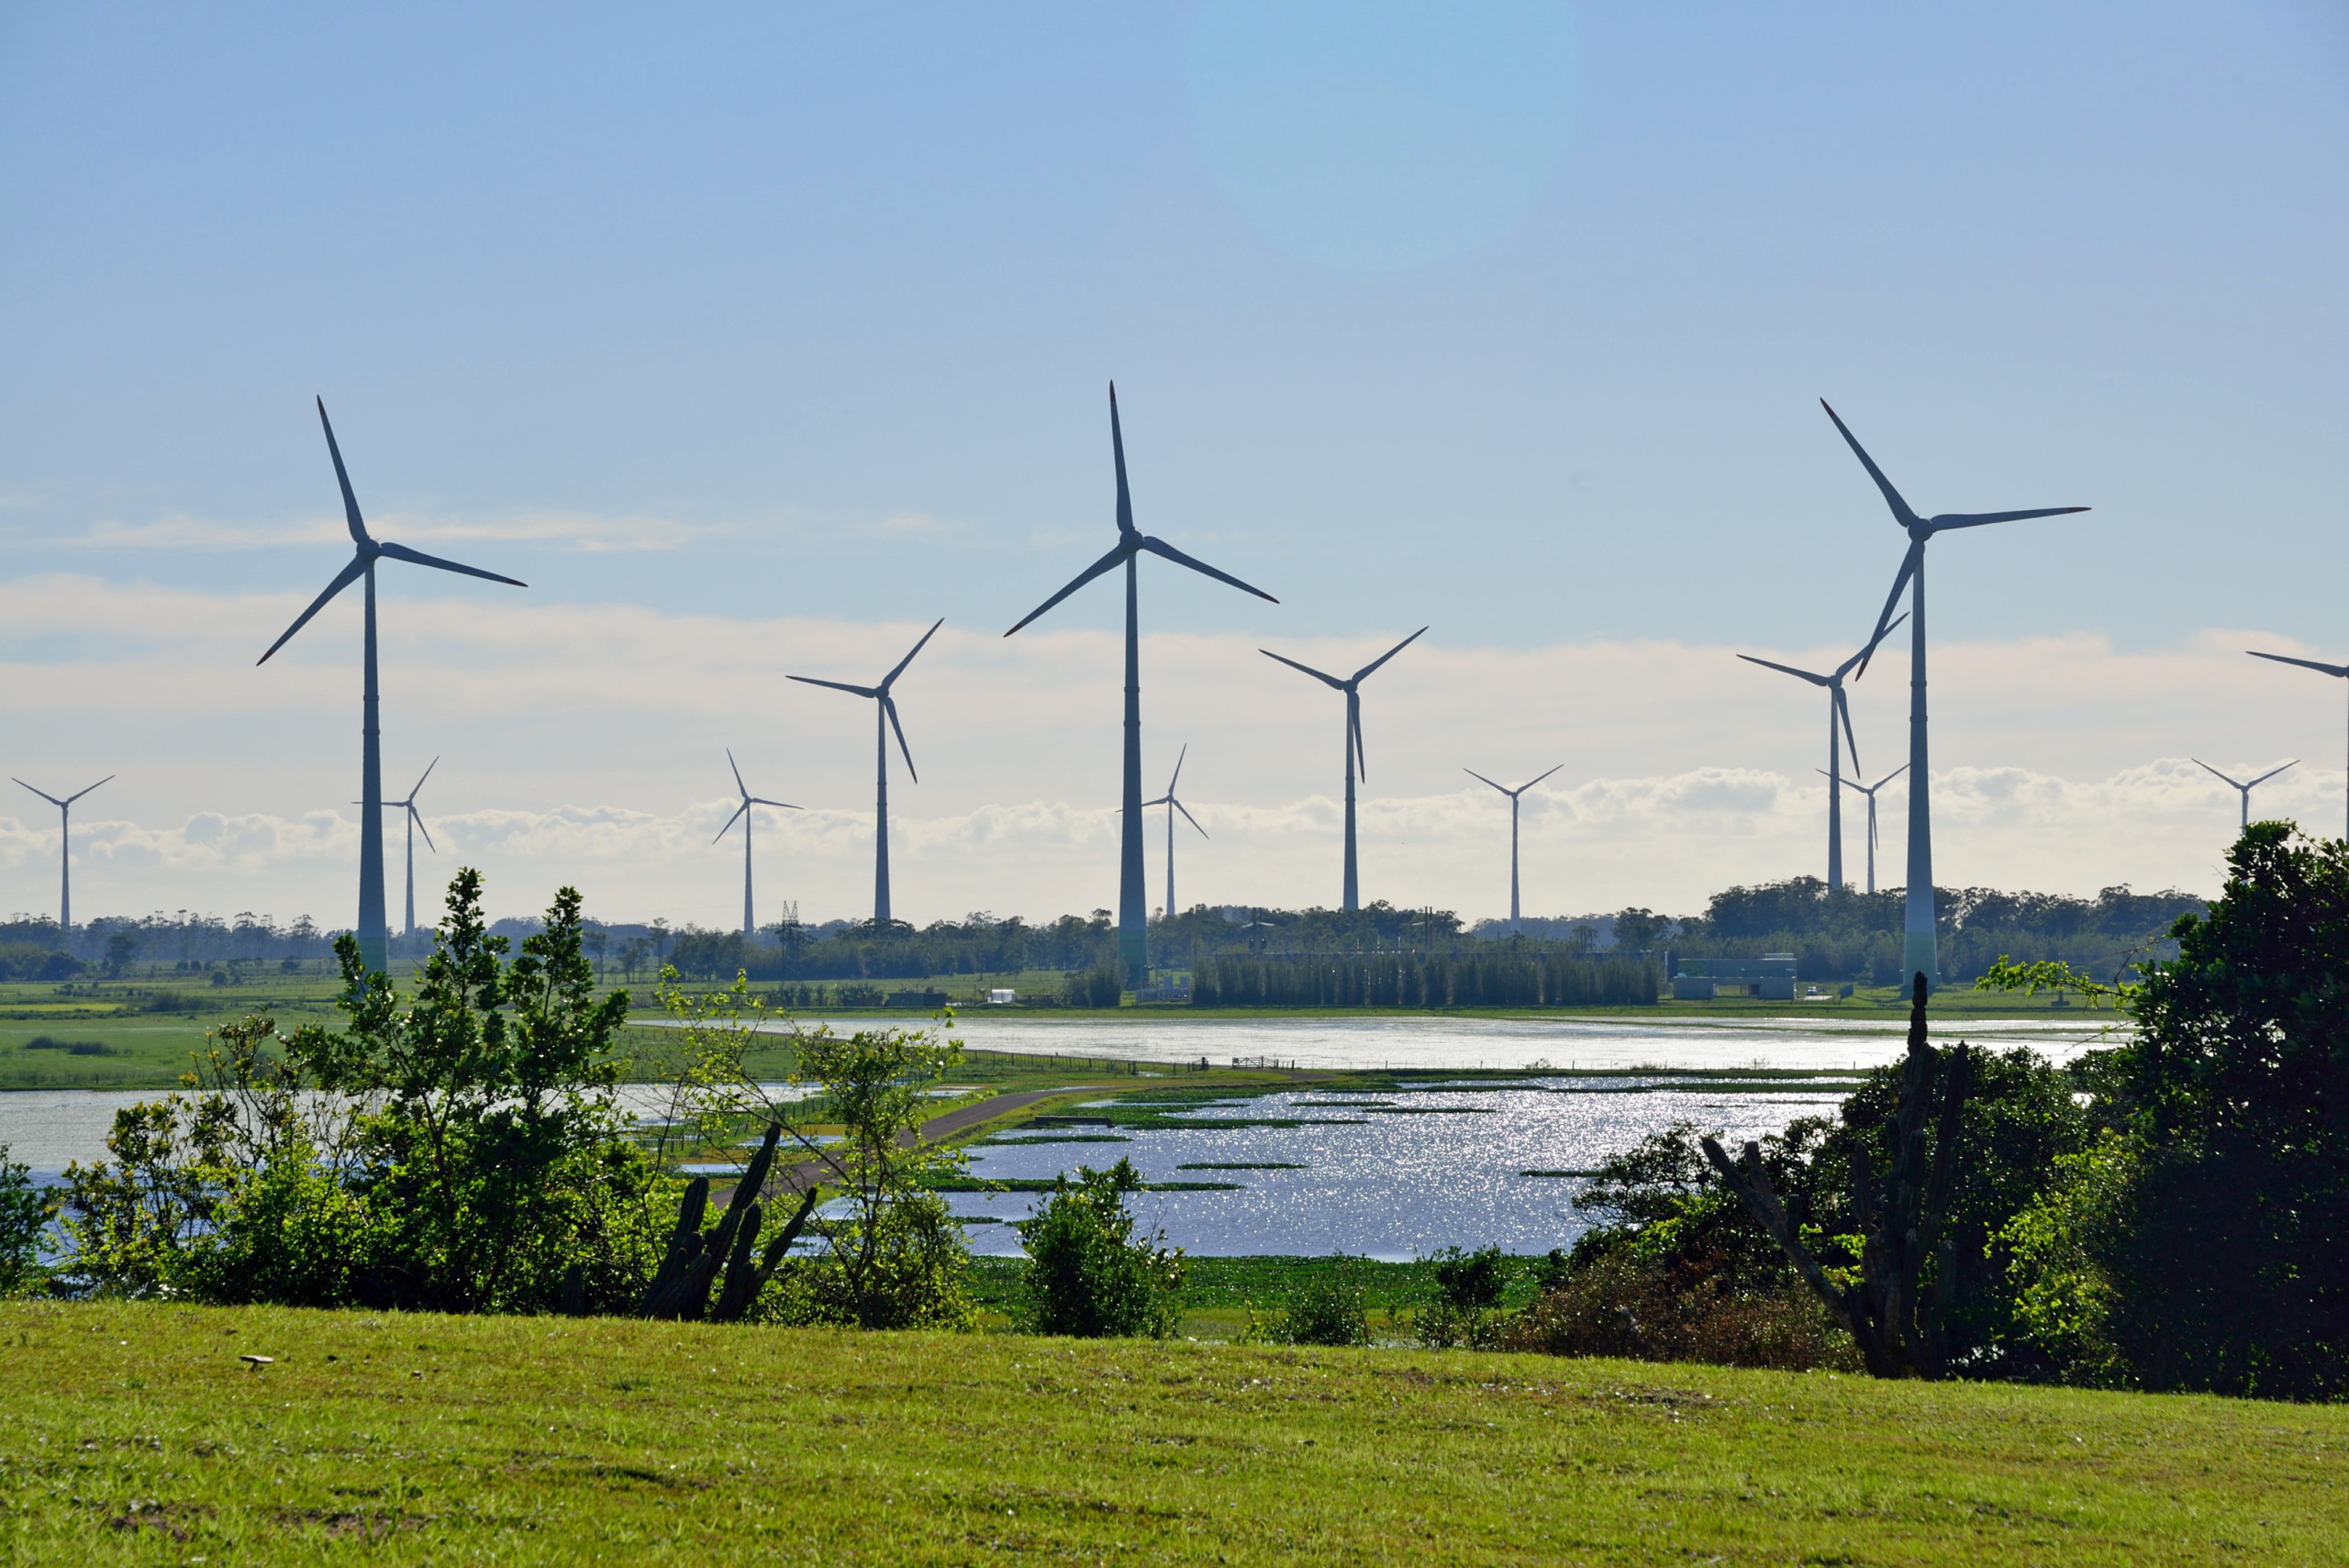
(798, 1178)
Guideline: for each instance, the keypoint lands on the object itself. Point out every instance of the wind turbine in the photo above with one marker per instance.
(374, 942)
(1869, 790)
(1839, 708)
(1514, 917)
(742, 815)
(1919, 955)
(1355, 764)
(2340, 670)
(885, 719)
(2243, 789)
(415, 826)
(64, 850)
(1174, 805)
(1134, 898)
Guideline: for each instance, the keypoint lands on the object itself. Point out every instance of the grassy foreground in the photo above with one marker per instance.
(136, 1434)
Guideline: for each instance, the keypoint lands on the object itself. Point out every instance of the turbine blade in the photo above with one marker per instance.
(909, 658)
(1178, 770)
(1888, 778)
(349, 501)
(1160, 547)
(72, 799)
(1787, 670)
(42, 793)
(343, 578)
(743, 789)
(427, 773)
(1332, 682)
(836, 685)
(2214, 773)
(1901, 511)
(783, 805)
(1844, 712)
(2303, 663)
(1187, 815)
(2270, 774)
(1353, 726)
(1482, 779)
(1532, 782)
(1117, 447)
(1976, 519)
(1161, 800)
(889, 707)
(1883, 622)
(1365, 671)
(418, 818)
(418, 558)
(731, 820)
(1115, 555)
(1865, 654)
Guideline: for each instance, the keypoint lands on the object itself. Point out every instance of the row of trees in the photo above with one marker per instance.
(1508, 976)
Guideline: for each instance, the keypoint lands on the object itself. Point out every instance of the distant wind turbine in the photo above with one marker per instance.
(1174, 805)
(2243, 789)
(885, 719)
(1515, 920)
(1869, 790)
(415, 826)
(2340, 670)
(1919, 955)
(1839, 708)
(742, 815)
(1355, 764)
(374, 942)
(1134, 898)
(65, 850)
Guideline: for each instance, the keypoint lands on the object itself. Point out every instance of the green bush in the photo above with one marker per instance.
(1468, 1288)
(1088, 1275)
(1329, 1310)
(25, 1211)
(1098, 987)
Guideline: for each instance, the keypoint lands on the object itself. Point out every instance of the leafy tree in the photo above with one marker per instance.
(1088, 1274)
(1468, 1288)
(25, 1211)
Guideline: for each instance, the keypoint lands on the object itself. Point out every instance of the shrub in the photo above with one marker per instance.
(1088, 1275)
(1618, 1304)
(1468, 1287)
(1096, 987)
(25, 1211)
(1328, 1310)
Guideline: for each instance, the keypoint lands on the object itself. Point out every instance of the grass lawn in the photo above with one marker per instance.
(135, 1434)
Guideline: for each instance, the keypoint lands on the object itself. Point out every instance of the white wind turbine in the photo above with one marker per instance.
(1869, 790)
(1839, 708)
(1919, 955)
(2340, 670)
(2243, 789)
(1516, 920)
(742, 815)
(65, 850)
(1174, 805)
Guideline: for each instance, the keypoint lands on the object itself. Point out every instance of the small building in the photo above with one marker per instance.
(1770, 978)
(1002, 996)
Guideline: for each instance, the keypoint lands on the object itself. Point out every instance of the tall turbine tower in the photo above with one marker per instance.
(374, 942)
(1134, 898)
(1516, 918)
(1838, 708)
(1174, 805)
(415, 825)
(1869, 790)
(1918, 947)
(65, 850)
(1355, 764)
(742, 815)
(2243, 789)
(2340, 670)
(885, 719)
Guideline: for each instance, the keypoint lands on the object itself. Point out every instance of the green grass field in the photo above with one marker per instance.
(135, 1434)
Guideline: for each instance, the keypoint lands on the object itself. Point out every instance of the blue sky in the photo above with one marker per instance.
(799, 317)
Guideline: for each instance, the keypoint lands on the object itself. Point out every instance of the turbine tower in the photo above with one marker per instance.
(65, 850)
(415, 826)
(374, 942)
(885, 719)
(1869, 790)
(1134, 898)
(1174, 805)
(742, 815)
(2340, 670)
(1355, 764)
(1838, 708)
(1516, 918)
(2243, 789)
(1918, 947)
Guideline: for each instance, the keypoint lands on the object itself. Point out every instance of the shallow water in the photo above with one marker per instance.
(1393, 1187)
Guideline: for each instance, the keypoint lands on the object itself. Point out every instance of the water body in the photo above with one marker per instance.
(1387, 1186)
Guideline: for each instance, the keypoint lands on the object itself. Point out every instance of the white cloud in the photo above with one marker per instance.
(580, 530)
(2062, 761)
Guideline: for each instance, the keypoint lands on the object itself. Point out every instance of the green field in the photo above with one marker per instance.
(135, 1434)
